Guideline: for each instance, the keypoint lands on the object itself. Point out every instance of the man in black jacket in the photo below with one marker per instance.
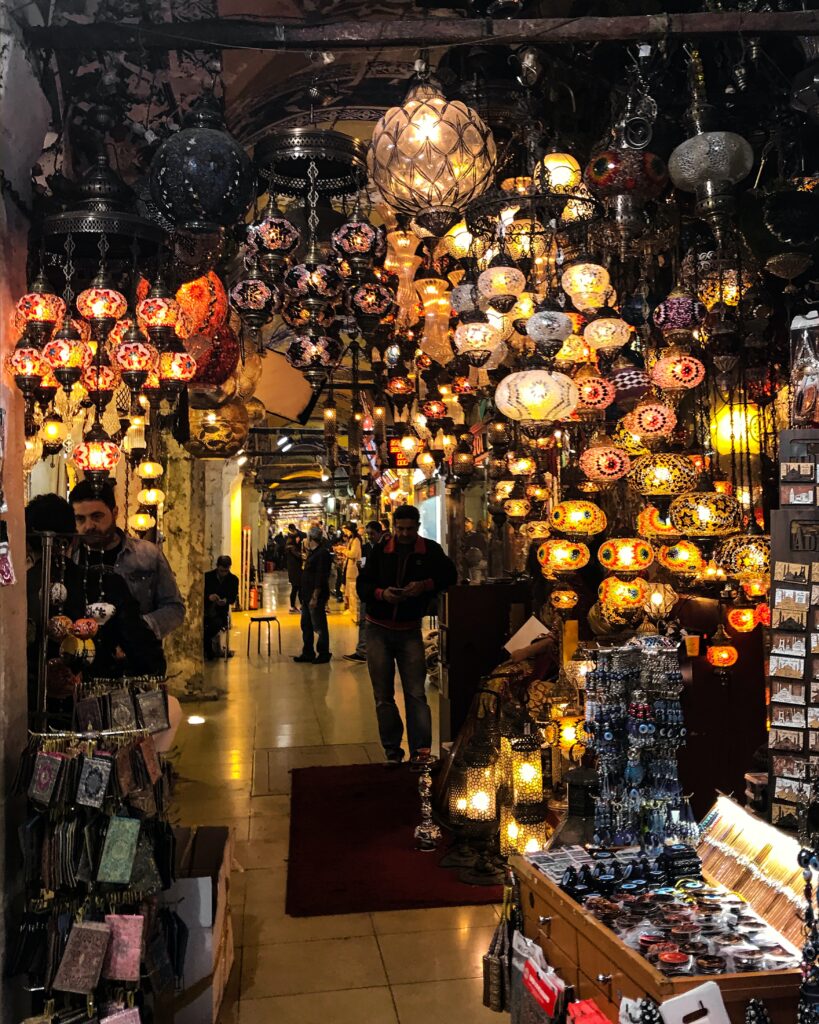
(397, 584)
(314, 593)
(221, 591)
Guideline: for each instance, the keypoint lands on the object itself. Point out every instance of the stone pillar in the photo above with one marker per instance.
(24, 116)
(185, 547)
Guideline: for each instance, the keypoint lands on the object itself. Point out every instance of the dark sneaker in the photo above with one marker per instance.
(322, 659)
(422, 759)
(394, 760)
(305, 658)
(355, 657)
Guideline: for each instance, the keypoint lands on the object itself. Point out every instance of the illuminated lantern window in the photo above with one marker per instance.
(677, 372)
(461, 244)
(463, 465)
(274, 238)
(721, 283)
(652, 525)
(607, 331)
(504, 488)
(742, 620)
(563, 600)
(623, 595)
(746, 557)
(509, 829)
(536, 529)
(536, 396)
(738, 428)
(537, 492)
(399, 385)
(561, 556)
(517, 509)
(151, 496)
(683, 557)
(578, 518)
(720, 652)
(580, 207)
(596, 393)
(53, 433)
(651, 420)
(625, 554)
(527, 774)
(604, 462)
(663, 474)
(660, 601)
(705, 514)
(526, 239)
(137, 354)
(557, 172)
(141, 521)
(481, 787)
(429, 158)
(355, 238)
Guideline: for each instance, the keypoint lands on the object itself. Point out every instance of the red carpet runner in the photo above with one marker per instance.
(352, 847)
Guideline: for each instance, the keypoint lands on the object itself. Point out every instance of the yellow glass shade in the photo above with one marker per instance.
(623, 595)
(652, 525)
(509, 831)
(141, 521)
(705, 514)
(722, 655)
(521, 465)
(571, 732)
(53, 431)
(578, 518)
(663, 474)
(480, 793)
(500, 281)
(561, 556)
(625, 554)
(536, 529)
(411, 445)
(557, 172)
(742, 620)
(683, 557)
(457, 797)
(536, 395)
(531, 836)
(563, 600)
(517, 508)
(660, 600)
(150, 470)
(527, 776)
(722, 284)
(738, 427)
(585, 278)
(151, 496)
(607, 332)
(526, 239)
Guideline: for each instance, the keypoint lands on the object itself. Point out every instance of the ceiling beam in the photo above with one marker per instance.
(253, 34)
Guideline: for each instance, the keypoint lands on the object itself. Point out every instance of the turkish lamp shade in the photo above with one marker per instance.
(527, 773)
(457, 796)
(531, 830)
(509, 831)
(481, 788)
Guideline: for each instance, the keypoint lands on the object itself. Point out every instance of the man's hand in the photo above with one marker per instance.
(392, 595)
(414, 589)
(213, 598)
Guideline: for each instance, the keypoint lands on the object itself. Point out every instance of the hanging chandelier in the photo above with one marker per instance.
(429, 157)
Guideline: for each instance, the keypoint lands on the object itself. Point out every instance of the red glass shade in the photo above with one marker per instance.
(96, 453)
(42, 307)
(98, 303)
(158, 311)
(179, 367)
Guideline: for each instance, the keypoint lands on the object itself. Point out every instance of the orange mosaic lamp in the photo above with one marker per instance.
(578, 518)
(684, 557)
(562, 556)
(625, 555)
(721, 653)
(563, 600)
(620, 595)
(662, 475)
(742, 620)
(706, 514)
(652, 525)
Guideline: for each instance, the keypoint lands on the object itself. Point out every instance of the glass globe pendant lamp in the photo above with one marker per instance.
(253, 298)
(429, 157)
(499, 434)
(663, 475)
(720, 652)
(26, 366)
(678, 316)
(705, 514)
(563, 600)
(578, 518)
(158, 313)
(96, 456)
(39, 311)
(625, 555)
(101, 305)
(500, 284)
(136, 357)
(651, 421)
(357, 241)
(588, 279)
(53, 433)
(67, 355)
(475, 338)
(536, 399)
(274, 239)
(548, 327)
(742, 619)
(684, 558)
(604, 462)
(623, 596)
(675, 373)
(596, 393)
(559, 556)
(607, 331)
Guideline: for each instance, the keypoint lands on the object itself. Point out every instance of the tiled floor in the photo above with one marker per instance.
(410, 967)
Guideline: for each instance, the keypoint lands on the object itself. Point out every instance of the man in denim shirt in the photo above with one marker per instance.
(141, 563)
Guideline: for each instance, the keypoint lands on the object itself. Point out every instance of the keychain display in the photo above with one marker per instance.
(635, 721)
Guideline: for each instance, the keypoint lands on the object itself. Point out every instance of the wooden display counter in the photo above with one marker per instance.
(593, 959)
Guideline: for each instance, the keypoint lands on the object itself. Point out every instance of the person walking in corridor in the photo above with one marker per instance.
(397, 584)
(314, 593)
(293, 560)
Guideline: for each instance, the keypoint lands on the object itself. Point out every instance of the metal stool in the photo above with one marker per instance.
(259, 619)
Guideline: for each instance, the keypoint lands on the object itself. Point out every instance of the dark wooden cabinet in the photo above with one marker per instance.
(475, 622)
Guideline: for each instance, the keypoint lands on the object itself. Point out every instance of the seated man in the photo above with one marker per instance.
(221, 591)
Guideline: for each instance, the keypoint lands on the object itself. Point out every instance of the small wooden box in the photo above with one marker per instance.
(589, 956)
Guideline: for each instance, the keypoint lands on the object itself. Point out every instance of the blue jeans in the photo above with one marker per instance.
(314, 620)
(386, 649)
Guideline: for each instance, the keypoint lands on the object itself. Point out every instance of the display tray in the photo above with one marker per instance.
(592, 958)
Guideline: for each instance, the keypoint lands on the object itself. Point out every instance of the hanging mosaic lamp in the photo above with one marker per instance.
(429, 157)
(742, 620)
(274, 239)
(561, 556)
(578, 518)
(651, 420)
(625, 555)
(475, 338)
(596, 393)
(654, 525)
(684, 557)
(136, 357)
(536, 399)
(558, 172)
(604, 462)
(678, 316)
(67, 355)
(39, 311)
(536, 529)
(357, 242)
(623, 596)
(607, 332)
(563, 600)
(200, 177)
(96, 456)
(548, 327)
(705, 514)
(660, 601)
(500, 284)
(675, 373)
(101, 305)
(663, 475)
(720, 652)
(53, 433)
(590, 280)
(203, 304)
